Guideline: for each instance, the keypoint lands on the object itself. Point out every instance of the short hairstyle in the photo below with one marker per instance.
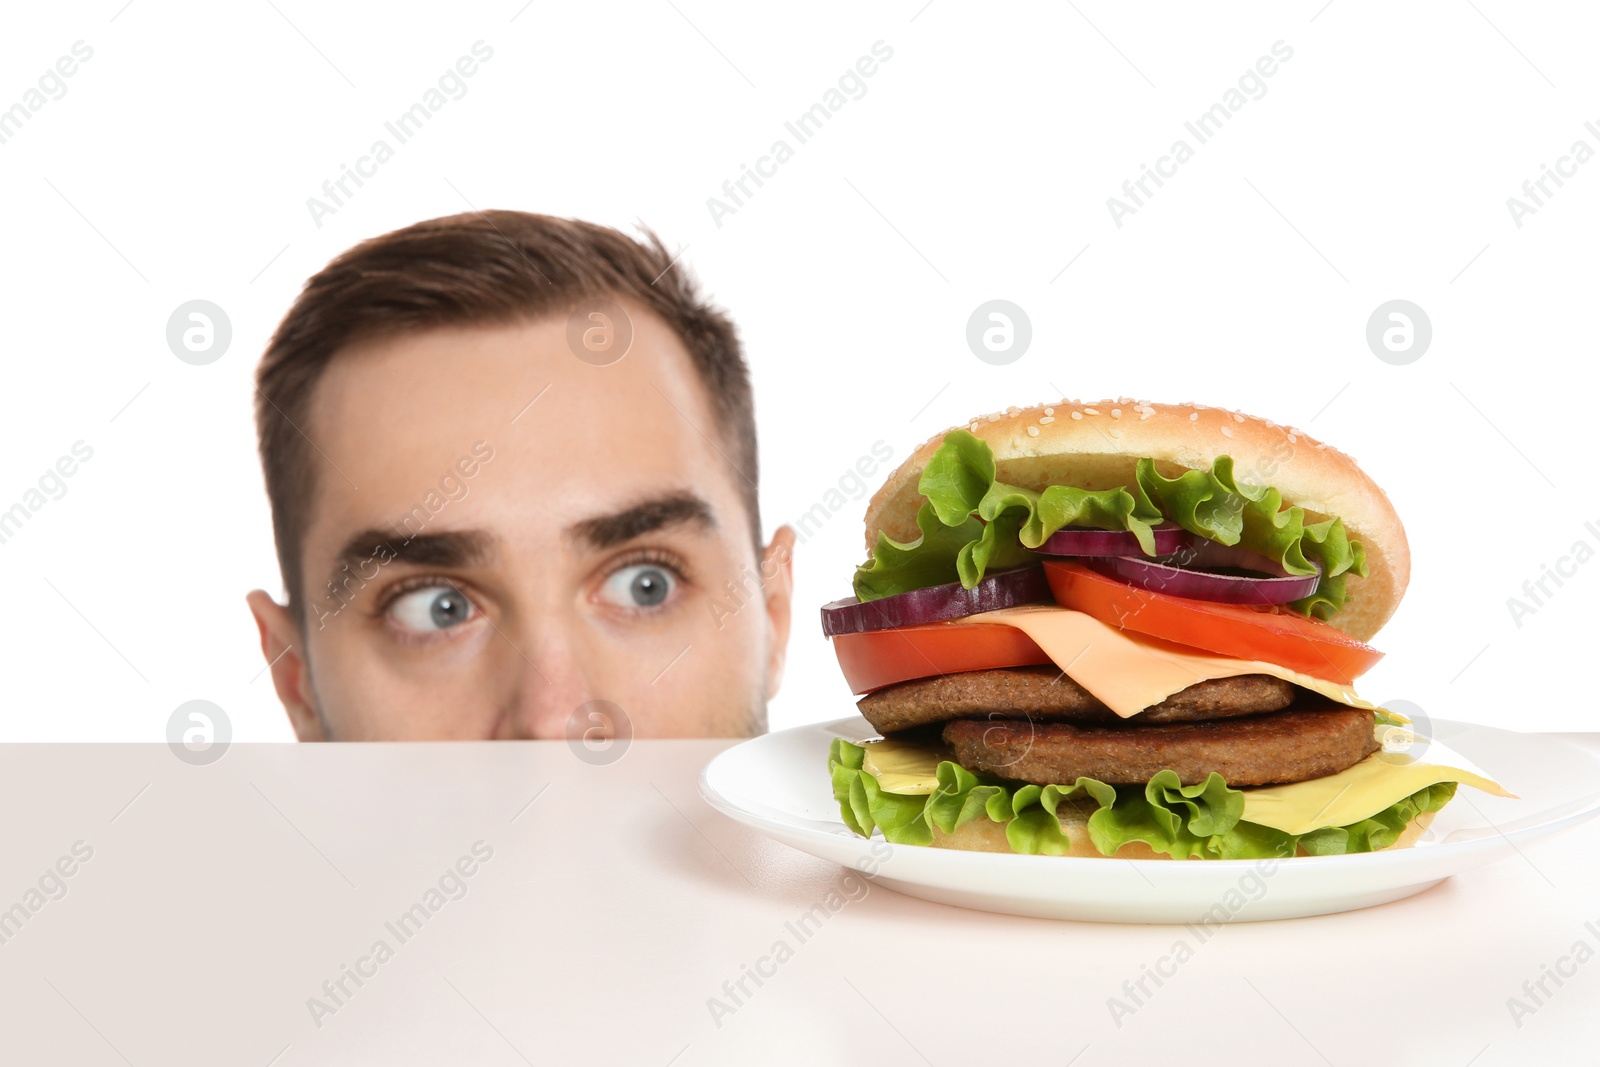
(486, 268)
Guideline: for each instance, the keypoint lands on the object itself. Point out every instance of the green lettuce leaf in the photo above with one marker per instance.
(929, 560)
(1216, 505)
(1181, 821)
(970, 523)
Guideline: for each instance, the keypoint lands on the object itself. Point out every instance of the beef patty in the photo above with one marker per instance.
(1309, 741)
(1046, 694)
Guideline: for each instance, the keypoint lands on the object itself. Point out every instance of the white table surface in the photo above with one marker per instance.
(218, 900)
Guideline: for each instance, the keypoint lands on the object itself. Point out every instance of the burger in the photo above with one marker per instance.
(1130, 629)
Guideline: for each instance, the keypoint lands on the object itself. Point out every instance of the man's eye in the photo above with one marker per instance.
(431, 609)
(642, 585)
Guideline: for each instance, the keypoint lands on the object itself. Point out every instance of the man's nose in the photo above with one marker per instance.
(550, 692)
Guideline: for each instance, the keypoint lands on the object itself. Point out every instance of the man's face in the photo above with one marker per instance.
(502, 533)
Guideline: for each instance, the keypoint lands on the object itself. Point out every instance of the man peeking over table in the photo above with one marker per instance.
(512, 467)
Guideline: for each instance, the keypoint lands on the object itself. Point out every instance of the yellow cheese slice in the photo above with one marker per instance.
(1382, 779)
(1129, 672)
(904, 766)
(1377, 782)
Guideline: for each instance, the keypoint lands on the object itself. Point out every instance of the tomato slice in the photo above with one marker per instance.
(883, 657)
(1274, 635)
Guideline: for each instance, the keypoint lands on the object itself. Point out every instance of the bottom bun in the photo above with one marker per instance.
(984, 835)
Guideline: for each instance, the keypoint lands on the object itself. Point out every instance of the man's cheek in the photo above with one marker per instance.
(362, 681)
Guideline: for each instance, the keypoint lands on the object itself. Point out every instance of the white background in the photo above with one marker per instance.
(976, 166)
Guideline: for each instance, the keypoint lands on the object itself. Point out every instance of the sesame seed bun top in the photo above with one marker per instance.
(1097, 445)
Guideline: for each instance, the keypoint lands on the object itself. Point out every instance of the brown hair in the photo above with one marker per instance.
(480, 268)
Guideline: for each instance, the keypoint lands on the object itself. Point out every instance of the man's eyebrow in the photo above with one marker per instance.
(451, 548)
(680, 508)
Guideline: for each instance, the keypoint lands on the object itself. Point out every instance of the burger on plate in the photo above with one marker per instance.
(1130, 629)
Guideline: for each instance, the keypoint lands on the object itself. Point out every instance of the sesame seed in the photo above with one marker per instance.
(1049, 411)
(1293, 438)
(1193, 415)
(1033, 431)
(1047, 420)
(1012, 410)
(1227, 432)
(1237, 417)
(1115, 432)
(1116, 413)
(1091, 411)
(1077, 414)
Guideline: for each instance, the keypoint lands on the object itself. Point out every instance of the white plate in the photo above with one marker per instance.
(779, 784)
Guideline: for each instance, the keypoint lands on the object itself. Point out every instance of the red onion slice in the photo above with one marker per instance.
(1082, 541)
(936, 603)
(1197, 573)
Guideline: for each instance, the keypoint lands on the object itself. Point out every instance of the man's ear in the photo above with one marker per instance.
(777, 582)
(281, 645)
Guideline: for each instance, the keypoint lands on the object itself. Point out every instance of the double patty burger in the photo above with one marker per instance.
(1130, 629)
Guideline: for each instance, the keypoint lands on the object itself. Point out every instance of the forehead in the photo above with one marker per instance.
(393, 419)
